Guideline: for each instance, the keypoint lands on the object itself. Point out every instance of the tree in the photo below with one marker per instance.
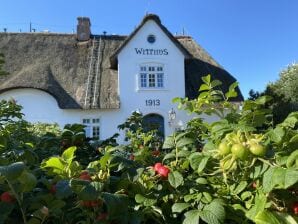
(284, 92)
(2, 72)
(286, 85)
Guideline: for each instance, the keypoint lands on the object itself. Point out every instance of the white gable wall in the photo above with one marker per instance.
(131, 96)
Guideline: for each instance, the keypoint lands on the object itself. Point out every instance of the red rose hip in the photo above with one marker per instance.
(7, 197)
(163, 171)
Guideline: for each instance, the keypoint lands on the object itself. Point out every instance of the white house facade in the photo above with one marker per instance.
(99, 80)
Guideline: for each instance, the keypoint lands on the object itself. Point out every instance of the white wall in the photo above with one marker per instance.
(41, 106)
(131, 97)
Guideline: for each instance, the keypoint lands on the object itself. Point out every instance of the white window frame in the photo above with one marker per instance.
(151, 76)
(92, 128)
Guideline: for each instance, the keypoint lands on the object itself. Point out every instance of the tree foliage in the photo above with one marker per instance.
(284, 91)
(286, 85)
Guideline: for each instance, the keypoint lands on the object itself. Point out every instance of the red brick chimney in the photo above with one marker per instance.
(83, 29)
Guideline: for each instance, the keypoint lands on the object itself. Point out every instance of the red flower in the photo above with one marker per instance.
(7, 197)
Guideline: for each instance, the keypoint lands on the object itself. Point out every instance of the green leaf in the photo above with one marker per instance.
(88, 193)
(203, 164)
(277, 134)
(169, 143)
(206, 79)
(145, 201)
(259, 206)
(290, 121)
(55, 164)
(201, 180)
(104, 160)
(215, 83)
(192, 217)
(117, 205)
(207, 196)
(262, 100)
(291, 160)
(203, 94)
(68, 154)
(198, 161)
(177, 100)
(231, 94)
(245, 195)
(233, 86)
(6, 210)
(284, 218)
(209, 217)
(266, 217)
(294, 139)
(169, 156)
(12, 171)
(214, 212)
(204, 87)
(278, 177)
(175, 179)
(28, 181)
(63, 189)
(184, 142)
(180, 207)
(240, 187)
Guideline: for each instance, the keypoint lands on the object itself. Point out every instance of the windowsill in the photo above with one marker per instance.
(151, 89)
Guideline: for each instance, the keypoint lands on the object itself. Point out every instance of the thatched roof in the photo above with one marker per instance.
(58, 64)
(201, 64)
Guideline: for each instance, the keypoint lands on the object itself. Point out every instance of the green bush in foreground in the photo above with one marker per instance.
(239, 169)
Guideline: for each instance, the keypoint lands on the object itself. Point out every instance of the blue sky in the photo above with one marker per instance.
(252, 39)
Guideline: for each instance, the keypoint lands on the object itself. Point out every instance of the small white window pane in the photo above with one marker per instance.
(86, 121)
(151, 68)
(159, 79)
(95, 121)
(95, 132)
(151, 80)
(143, 80)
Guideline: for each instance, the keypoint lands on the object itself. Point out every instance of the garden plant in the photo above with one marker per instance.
(241, 168)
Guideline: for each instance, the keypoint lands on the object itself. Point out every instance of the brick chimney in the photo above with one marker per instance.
(83, 29)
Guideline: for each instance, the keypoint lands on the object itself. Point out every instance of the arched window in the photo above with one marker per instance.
(154, 122)
(151, 76)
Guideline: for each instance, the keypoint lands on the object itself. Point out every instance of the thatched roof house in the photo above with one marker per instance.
(98, 80)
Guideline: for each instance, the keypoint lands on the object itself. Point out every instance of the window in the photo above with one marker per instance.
(92, 128)
(151, 76)
(151, 38)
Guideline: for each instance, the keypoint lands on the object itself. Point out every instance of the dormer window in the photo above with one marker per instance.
(151, 76)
